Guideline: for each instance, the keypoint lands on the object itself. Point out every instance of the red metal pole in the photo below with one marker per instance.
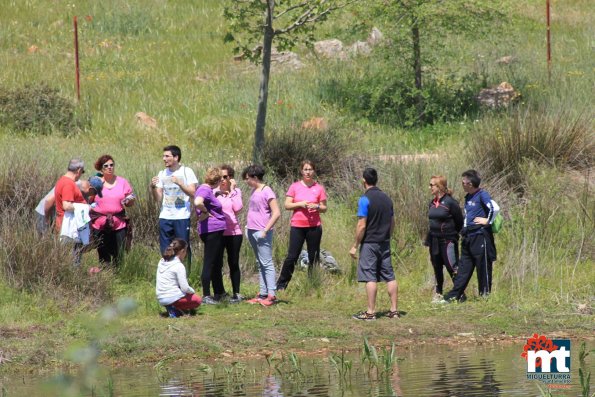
(549, 47)
(76, 59)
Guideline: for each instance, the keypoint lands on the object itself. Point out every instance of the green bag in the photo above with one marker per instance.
(497, 224)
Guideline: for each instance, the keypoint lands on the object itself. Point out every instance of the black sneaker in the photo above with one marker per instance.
(394, 314)
(209, 300)
(237, 298)
(365, 316)
(172, 312)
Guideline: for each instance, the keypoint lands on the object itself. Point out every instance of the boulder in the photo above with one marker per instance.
(507, 60)
(375, 37)
(145, 120)
(359, 48)
(329, 49)
(499, 96)
(286, 58)
(315, 123)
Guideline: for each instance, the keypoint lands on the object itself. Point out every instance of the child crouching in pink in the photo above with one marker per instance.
(172, 287)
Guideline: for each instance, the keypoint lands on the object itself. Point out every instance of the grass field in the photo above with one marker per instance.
(168, 59)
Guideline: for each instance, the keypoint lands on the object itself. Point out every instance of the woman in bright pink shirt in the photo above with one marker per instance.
(230, 198)
(109, 222)
(307, 199)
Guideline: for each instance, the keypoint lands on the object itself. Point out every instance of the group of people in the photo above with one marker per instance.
(103, 200)
(89, 210)
(217, 203)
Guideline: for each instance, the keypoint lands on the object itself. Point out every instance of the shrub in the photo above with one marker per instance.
(388, 95)
(545, 136)
(40, 109)
(285, 150)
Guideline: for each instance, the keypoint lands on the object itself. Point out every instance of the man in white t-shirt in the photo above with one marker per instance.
(174, 187)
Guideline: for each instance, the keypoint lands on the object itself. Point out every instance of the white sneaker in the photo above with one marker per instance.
(437, 298)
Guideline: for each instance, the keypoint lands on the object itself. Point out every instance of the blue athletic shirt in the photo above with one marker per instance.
(377, 208)
(480, 205)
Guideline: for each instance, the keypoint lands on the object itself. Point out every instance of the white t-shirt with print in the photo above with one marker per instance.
(175, 203)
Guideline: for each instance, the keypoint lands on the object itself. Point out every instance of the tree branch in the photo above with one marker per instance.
(306, 17)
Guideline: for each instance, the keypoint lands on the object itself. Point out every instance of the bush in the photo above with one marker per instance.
(40, 109)
(388, 95)
(544, 136)
(285, 150)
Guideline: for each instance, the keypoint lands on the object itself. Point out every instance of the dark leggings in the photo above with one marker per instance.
(110, 245)
(446, 254)
(297, 236)
(213, 263)
(232, 245)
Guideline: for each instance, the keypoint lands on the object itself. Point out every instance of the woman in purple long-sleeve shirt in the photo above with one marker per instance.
(231, 200)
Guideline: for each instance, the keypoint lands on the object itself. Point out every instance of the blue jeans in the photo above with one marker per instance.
(263, 250)
(172, 228)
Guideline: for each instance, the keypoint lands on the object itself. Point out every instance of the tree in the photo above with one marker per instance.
(424, 23)
(287, 23)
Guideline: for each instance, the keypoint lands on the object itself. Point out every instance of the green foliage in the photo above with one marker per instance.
(550, 137)
(293, 22)
(40, 109)
(385, 93)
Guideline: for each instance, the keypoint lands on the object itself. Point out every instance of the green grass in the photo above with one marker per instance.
(168, 60)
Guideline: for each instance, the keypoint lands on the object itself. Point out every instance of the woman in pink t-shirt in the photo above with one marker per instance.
(263, 213)
(109, 222)
(307, 199)
(230, 197)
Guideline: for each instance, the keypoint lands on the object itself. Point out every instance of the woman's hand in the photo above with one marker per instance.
(313, 206)
(232, 184)
(203, 216)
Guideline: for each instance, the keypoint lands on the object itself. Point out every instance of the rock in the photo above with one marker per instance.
(315, 123)
(375, 37)
(145, 120)
(286, 58)
(330, 49)
(325, 340)
(501, 95)
(507, 60)
(360, 48)
(583, 308)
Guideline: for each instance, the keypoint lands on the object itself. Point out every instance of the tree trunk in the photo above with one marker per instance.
(417, 71)
(263, 95)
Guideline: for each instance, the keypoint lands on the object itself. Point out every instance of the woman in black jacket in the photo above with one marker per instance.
(446, 221)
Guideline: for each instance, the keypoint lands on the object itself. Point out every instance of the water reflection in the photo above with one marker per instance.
(432, 371)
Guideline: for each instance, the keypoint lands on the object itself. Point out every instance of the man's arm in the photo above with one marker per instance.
(68, 206)
(360, 229)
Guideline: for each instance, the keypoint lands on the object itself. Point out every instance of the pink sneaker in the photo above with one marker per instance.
(259, 298)
(94, 270)
(269, 301)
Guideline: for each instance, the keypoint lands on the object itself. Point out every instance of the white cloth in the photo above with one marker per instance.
(76, 224)
(175, 203)
(171, 283)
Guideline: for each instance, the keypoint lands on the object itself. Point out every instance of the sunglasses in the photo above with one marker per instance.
(432, 184)
(110, 165)
(225, 176)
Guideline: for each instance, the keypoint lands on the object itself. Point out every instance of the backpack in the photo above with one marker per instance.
(498, 223)
(498, 220)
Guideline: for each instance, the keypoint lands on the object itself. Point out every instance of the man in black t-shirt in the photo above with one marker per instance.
(375, 225)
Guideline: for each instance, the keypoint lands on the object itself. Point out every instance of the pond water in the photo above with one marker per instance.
(421, 371)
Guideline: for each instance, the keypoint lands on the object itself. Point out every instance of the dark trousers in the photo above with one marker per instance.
(110, 245)
(212, 267)
(474, 254)
(232, 245)
(297, 235)
(444, 254)
(172, 228)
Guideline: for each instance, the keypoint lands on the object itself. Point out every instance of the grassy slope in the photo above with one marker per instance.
(147, 58)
